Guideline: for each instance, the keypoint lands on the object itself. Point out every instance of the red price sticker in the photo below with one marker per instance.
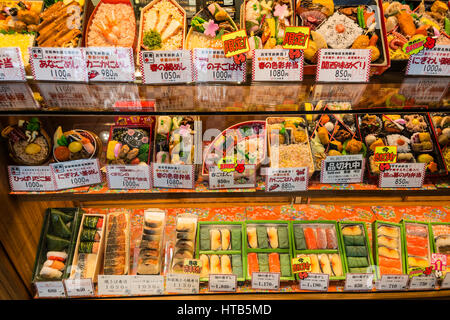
(11, 65)
(301, 264)
(192, 266)
(110, 64)
(235, 43)
(296, 38)
(430, 62)
(343, 65)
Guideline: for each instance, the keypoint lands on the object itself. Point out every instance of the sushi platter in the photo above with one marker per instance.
(416, 245)
(440, 238)
(186, 228)
(117, 244)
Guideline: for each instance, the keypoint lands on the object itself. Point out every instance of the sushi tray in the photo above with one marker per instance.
(186, 230)
(56, 244)
(440, 241)
(388, 248)
(319, 240)
(412, 134)
(150, 256)
(117, 244)
(416, 245)
(268, 248)
(358, 25)
(89, 250)
(220, 248)
(441, 128)
(356, 247)
(288, 143)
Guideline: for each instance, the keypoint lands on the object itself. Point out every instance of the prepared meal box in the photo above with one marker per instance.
(356, 247)
(440, 241)
(88, 255)
(56, 244)
(344, 25)
(186, 228)
(75, 144)
(220, 248)
(411, 133)
(388, 248)
(117, 244)
(416, 244)
(288, 143)
(441, 128)
(319, 240)
(268, 248)
(150, 257)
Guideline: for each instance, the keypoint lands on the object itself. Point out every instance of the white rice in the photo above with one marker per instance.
(338, 40)
(392, 140)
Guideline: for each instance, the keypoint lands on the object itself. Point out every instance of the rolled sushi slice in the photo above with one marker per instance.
(273, 237)
(391, 243)
(216, 243)
(331, 238)
(352, 230)
(225, 262)
(274, 262)
(205, 266)
(215, 264)
(321, 238)
(336, 265)
(389, 231)
(252, 238)
(310, 237)
(252, 261)
(185, 244)
(325, 264)
(226, 238)
(183, 254)
(285, 265)
(300, 242)
(263, 241)
(236, 239)
(283, 237)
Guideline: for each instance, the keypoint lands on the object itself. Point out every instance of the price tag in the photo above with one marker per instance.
(287, 179)
(394, 282)
(235, 43)
(430, 62)
(68, 95)
(11, 65)
(423, 282)
(50, 289)
(315, 282)
(446, 282)
(266, 280)
(110, 64)
(146, 285)
(349, 65)
(77, 173)
(58, 64)
(358, 282)
(385, 154)
(276, 65)
(211, 65)
(219, 179)
(403, 175)
(128, 177)
(178, 176)
(182, 283)
(114, 285)
(79, 287)
(192, 266)
(32, 178)
(342, 169)
(166, 66)
(439, 261)
(222, 282)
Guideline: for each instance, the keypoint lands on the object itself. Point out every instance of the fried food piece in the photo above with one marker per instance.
(375, 53)
(406, 24)
(361, 42)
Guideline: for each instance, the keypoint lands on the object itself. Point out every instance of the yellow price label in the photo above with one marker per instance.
(235, 43)
(192, 266)
(296, 38)
(385, 154)
(301, 264)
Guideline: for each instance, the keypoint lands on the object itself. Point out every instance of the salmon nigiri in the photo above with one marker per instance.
(389, 270)
(416, 241)
(310, 238)
(417, 251)
(389, 262)
(274, 262)
(252, 261)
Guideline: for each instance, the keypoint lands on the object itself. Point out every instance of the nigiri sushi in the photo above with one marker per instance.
(226, 264)
(215, 264)
(57, 255)
(272, 234)
(417, 251)
(274, 262)
(331, 238)
(418, 262)
(215, 239)
(336, 265)
(51, 273)
(388, 242)
(321, 238)
(252, 261)
(252, 238)
(439, 230)
(416, 241)
(389, 262)
(315, 266)
(225, 233)
(389, 253)
(417, 230)
(310, 238)
(389, 270)
(325, 264)
(205, 266)
(55, 264)
(351, 230)
(392, 232)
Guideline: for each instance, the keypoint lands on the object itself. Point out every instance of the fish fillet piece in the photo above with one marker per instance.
(205, 266)
(274, 262)
(388, 270)
(215, 264)
(352, 231)
(321, 238)
(331, 238)
(252, 261)
(315, 266)
(416, 230)
(226, 264)
(336, 265)
(310, 237)
(173, 28)
(226, 237)
(417, 251)
(325, 264)
(163, 21)
(389, 262)
(439, 230)
(417, 262)
(416, 241)
(252, 238)
(216, 244)
(392, 232)
(391, 243)
(389, 253)
(272, 234)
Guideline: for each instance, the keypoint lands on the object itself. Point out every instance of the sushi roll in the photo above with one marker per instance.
(215, 264)
(392, 232)
(310, 237)
(283, 237)
(331, 238)
(236, 239)
(325, 264)
(263, 241)
(285, 265)
(226, 264)
(336, 265)
(151, 237)
(273, 237)
(300, 242)
(226, 238)
(186, 235)
(252, 261)
(252, 238)
(351, 230)
(443, 244)
(153, 219)
(215, 239)
(183, 254)
(186, 225)
(274, 262)
(263, 260)
(321, 238)
(50, 273)
(185, 244)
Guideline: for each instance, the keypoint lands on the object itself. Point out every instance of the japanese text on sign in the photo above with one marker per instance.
(31, 178)
(301, 264)
(296, 38)
(128, 177)
(50, 289)
(11, 65)
(110, 64)
(167, 175)
(235, 43)
(276, 65)
(385, 154)
(192, 266)
(79, 287)
(287, 179)
(315, 282)
(166, 66)
(219, 179)
(403, 175)
(211, 65)
(430, 62)
(265, 280)
(446, 282)
(77, 173)
(141, 285)
(423, 282)
(222, 282)
(395, 282)
(114, 285)
(342, 169)
(182, 283)
(439, 261)
(358, 282)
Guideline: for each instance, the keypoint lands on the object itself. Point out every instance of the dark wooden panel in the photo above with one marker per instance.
(11, 286)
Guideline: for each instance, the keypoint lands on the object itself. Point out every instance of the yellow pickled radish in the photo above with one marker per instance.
(32, 148)
(110, 151)
(75, 146)
(415, 121)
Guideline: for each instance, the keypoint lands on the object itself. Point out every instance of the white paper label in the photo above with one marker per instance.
(424, 90)
(219, 179)
(287, 179)
(79, 287)
(266, 280)
(69, 95)
(315, 282)
(446, 282)
(114, 285)
(58, 64)
(31, 178)
(182, 283)
(178, 176)
(423, 282)
(50, 289)
(222, 282)
(275, 65)
(403, 175)
(166, 66)
(394, 282)
(77, 173)
(347, 65)
(211, 65)
(17, 96)
(342, 169)
(142, 285)
(430, 62)
(11, 65)
(110, 64)
(128, 177)
(358, 282)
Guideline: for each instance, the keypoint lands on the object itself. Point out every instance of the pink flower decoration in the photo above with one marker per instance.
(281, 11)
(210, 28)
(184, 130)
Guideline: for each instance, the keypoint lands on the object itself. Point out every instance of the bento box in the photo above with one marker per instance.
(186, 230)
(268, 248)
(75, 144)
(56, 244)
(440, 241)
(356, 247)
(117, 244)
(319, 240)
(416, 245)
(441, 129)
(220, 248)
(344, 25)
(88, 254)
(388, 248)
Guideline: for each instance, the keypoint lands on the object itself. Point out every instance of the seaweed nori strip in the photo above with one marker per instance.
(59, 228)
(357, 262)
(86, 247)
(263, 242)
(285, 265)
(354, 240)
(236, 239)
(90, 222)
(356, 251)
(283, 237)
(299, 237)
(87, 234)
(55, 243)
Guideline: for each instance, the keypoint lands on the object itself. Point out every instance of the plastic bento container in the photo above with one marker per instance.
(443, 233)
(410, 257)
(112, 232)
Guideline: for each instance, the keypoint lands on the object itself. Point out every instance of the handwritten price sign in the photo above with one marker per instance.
(166, 66)
(277, 65)
(211, 65)
(110, 64)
